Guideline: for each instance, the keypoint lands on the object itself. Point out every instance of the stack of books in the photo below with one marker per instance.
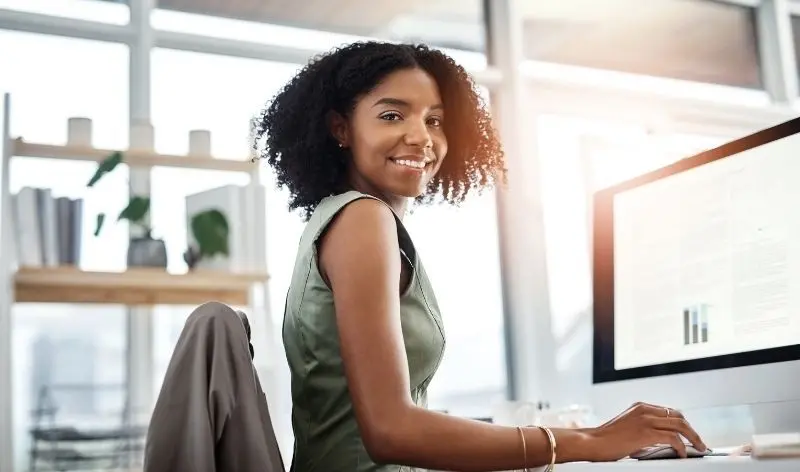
(47, 229)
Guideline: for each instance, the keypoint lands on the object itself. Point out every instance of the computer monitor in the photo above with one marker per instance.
(696, 274)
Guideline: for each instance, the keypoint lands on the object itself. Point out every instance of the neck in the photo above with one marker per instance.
(397, 203)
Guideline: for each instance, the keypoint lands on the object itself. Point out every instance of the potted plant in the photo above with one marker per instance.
(209, 227)
(210, 230)
(144, 250)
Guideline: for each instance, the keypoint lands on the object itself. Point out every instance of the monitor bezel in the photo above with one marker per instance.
(603, 369)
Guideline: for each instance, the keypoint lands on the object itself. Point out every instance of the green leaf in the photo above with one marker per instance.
(107, 165)
(136, 210)
(101, 217)
(210, 229)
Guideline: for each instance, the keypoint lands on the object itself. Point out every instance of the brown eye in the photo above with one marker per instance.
(390, 116)
(435, 122)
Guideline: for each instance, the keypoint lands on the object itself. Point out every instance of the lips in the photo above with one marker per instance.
(412, 161)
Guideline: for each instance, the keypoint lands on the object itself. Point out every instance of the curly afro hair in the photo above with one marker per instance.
(292, 133)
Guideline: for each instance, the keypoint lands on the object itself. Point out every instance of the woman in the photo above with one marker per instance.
(355, 136)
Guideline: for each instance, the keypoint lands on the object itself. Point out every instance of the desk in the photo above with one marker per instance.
(705, 464)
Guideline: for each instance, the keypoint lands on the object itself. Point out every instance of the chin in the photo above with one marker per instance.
(408, 192)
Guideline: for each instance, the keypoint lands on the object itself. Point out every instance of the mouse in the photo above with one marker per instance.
(665, 451)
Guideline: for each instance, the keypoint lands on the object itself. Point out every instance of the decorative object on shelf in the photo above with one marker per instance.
(143, 251)
(191, 256)
(210, 229)
(200, 142)
(79, 131)
(238, 205)
(146, 251)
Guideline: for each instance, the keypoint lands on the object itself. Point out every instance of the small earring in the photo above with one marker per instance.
(341, 145)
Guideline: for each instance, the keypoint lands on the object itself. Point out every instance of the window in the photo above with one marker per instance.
(56, 344)
(327, 23)
(107, 11)
(219, 94)
(702, 41)
(459, 249)
(566, 176)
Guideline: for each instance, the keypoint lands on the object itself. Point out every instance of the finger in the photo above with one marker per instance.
(675, 441)
(679, 425)
(658, 410)
(643, 409)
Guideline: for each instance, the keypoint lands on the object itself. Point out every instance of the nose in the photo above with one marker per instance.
(417, 134)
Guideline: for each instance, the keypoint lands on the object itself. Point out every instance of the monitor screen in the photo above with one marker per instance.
(697, 265)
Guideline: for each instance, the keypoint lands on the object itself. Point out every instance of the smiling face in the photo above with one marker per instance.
(395, 136)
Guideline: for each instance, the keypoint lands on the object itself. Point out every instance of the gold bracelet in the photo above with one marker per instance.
(524, 449)
(552, 440)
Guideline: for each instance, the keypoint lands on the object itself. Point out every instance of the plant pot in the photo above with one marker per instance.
(147, 252)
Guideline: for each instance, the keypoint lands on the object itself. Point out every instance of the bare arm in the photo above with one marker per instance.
(360, 257)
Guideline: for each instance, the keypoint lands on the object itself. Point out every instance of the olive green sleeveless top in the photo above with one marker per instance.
(325, 429)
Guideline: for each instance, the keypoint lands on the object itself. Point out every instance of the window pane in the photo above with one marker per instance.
(327, 23)
(564, 182)
(460, 252)
(108, 11)
(55, 344)
(219, 94)
(703, 41)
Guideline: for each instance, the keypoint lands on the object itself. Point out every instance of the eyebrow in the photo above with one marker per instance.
(402, 103)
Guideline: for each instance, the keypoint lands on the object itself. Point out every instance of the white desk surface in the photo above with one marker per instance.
(705, 464)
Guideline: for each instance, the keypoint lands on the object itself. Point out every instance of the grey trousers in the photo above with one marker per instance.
(211, 414)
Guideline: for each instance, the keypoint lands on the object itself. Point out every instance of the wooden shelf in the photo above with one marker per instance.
(139, 286)
(131, 158)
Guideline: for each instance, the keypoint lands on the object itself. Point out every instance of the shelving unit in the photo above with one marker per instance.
(139, 286)
(133, 158)
(134, 287)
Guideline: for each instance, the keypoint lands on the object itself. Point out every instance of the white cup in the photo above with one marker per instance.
(79, 131)
(200, 142)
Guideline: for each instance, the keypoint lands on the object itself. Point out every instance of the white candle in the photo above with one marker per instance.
(200, 142)
(79, 132)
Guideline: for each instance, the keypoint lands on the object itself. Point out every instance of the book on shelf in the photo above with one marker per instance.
(240, 212)
(47, 229)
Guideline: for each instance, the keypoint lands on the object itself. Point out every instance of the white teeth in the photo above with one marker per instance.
(414, 164)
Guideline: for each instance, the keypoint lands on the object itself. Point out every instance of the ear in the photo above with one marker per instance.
(339, 128)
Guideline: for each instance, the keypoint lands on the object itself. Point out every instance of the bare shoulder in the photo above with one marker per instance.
(364, 213)
(363, 236)
(363, 223)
